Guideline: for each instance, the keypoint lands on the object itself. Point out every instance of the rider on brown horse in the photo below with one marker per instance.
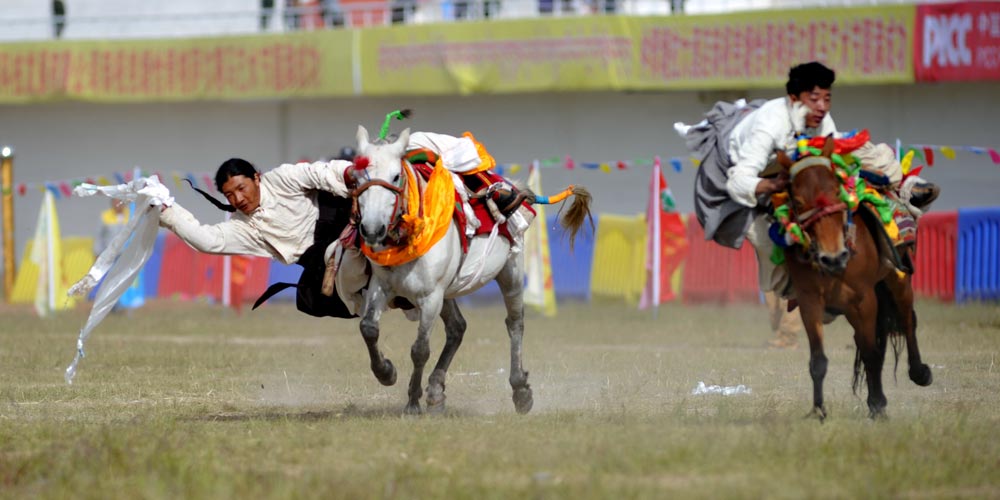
(736, 144)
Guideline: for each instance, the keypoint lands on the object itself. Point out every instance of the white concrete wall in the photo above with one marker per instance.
(64, 140)
(22, 20)
(103, 19)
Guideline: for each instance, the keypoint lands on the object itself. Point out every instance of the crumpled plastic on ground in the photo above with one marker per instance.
(729, 390)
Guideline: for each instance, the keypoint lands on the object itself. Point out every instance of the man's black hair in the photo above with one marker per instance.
(232, 168)
(806, 77)
(229, 169)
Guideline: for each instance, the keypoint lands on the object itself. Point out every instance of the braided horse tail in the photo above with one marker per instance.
(577, 213)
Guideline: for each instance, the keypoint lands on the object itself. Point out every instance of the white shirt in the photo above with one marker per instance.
(281, 228)
(754, 140)
(458, 154)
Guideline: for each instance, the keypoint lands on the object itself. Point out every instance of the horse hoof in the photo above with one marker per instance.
(921, 375)
(435, 402)
(412, 410)
(387, 375)
(523, 400)
(435, 408)
(877, 414)
(818, 412)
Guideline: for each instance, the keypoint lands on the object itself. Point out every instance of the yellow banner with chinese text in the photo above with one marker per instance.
(735, 51)
(248, 67)
(867, 45)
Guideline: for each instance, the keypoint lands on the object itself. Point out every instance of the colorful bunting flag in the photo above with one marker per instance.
(949, 152)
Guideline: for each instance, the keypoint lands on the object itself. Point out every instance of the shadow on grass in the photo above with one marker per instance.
(351, 411)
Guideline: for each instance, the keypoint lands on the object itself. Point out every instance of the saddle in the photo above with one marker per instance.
(892, 247)
(507, 198)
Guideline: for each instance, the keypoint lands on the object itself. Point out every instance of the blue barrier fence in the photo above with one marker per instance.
(977, 267)
(151, 272)
(287, 273)
(570, 269)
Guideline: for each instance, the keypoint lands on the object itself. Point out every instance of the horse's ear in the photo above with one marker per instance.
(362, 139)
(828, 146)
(404, 138)
(402, 142)
(783, 160)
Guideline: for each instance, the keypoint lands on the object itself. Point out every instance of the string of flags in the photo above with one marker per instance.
(64, 188)
(567, 162)
(926, 152)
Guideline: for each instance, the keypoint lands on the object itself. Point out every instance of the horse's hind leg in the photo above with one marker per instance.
(871, 351)
(454, 327)
(511, 284)
(902, 292)
(420, 352)
(375, 303)
(812, 319)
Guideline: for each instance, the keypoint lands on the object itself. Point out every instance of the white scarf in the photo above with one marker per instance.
(121, 261)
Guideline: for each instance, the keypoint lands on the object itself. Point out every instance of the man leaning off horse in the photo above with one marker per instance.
(289, 215)
(736, 144)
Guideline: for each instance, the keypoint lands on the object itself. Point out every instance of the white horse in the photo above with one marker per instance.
(432, 281)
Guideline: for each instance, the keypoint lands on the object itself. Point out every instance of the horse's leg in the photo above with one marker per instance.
(812, 318)
(375, 302)
(420, 352)
(454, 327)
(511, 284)
(863, 317)
(902, 292)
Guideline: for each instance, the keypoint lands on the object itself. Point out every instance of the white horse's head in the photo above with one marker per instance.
(381, 187)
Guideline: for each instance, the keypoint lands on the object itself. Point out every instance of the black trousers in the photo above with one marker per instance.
(334, 214)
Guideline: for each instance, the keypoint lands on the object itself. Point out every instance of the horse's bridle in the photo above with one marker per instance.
(352, 179)
(812, 216)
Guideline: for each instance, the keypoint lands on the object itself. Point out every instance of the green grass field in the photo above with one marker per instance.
(193, 401)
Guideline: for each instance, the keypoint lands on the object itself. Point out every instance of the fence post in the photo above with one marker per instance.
(7, 181)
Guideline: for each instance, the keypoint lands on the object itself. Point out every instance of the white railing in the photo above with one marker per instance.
(362, 13)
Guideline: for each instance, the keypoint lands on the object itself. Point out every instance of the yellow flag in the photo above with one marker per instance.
(948, 152)
(46, 254)
(907, 162)
(539, 291)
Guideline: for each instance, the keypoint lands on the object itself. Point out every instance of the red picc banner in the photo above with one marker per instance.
(958, 42)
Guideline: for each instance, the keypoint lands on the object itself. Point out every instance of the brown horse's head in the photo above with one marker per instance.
(814, 192)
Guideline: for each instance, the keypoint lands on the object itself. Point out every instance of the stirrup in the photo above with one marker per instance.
(923, 194)
(328, 277)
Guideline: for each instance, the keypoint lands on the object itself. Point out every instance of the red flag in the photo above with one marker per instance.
(670, 245)
(240, 270)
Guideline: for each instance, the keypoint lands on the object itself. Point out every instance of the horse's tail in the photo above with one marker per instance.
(578, 212)
(888, 330)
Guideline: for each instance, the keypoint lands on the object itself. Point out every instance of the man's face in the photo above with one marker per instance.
(243, 192)
(818, 101)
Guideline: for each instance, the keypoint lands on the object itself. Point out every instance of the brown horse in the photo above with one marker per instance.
(857, 279)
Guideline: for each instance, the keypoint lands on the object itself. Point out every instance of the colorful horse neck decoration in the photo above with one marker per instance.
(861, 284)
(416, 257)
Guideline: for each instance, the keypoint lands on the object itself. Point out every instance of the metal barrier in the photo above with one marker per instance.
(192, 274)
(714, 273)
(571, 269)
(977, 274)
(934, 262)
